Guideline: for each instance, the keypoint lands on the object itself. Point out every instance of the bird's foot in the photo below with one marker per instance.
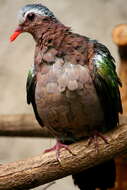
(57, 148)
(94, 139)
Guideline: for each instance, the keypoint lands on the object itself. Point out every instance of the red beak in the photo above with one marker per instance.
(15, 34)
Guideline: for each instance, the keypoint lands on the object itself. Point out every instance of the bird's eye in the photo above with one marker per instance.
(46, 12)
(46, 18)
(31, 16)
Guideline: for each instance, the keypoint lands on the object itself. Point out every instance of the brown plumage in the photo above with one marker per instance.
(73, 86)
(65, 93)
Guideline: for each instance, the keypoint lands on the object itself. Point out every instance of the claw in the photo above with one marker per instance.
(104, 138)
(57, 148)
(94, 138)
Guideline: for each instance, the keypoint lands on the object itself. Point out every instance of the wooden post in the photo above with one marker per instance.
(119, 36)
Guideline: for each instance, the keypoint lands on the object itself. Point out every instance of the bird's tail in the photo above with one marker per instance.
(101, 176)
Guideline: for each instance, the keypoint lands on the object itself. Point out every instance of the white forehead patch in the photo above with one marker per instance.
(33, 8)
(39, 12)
(22, 16)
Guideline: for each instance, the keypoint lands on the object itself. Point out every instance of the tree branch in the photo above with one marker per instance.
(32, 172)
(21, 125)
(25, 125)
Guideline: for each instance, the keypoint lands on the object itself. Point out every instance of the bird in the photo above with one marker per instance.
(73, 88)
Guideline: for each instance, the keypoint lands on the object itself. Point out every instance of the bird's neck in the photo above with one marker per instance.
(50, 35)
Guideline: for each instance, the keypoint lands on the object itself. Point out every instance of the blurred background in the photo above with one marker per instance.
(93, 18)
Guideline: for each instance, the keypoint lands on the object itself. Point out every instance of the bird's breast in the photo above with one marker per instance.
(66, 99)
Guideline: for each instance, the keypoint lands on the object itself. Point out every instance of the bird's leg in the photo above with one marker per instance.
(57, 148)
(94, 138)
(104, 138)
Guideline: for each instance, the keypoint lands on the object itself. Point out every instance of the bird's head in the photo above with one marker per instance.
(32, 16)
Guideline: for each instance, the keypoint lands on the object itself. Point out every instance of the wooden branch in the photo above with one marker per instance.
(25, 125)
(21, 125)
(119, 35)
(44, 168)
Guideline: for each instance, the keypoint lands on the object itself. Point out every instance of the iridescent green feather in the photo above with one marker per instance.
(107, 86)
(30, 84)
(30, 89)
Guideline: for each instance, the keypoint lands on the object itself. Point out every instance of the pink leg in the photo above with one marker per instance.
(94, 138)
(57, 148)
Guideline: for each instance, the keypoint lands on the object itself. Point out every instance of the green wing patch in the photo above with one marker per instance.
(107, 86)
(30, 89)
(30, 85)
